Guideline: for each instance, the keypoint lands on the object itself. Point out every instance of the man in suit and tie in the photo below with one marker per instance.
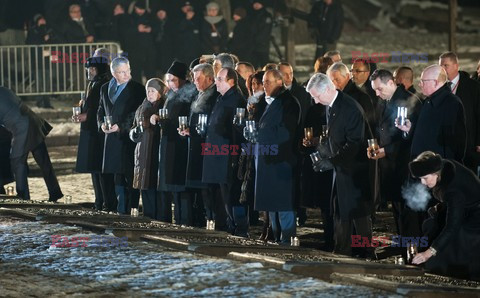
(351, 197)
(119, 99)
(276, 169)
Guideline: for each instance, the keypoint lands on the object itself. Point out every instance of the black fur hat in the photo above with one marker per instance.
(178, 69)
(426, 163)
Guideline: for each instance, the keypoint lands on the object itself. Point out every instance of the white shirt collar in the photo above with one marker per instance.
(455, 80)
(269, 99)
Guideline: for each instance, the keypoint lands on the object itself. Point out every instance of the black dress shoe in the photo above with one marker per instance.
(55, 197)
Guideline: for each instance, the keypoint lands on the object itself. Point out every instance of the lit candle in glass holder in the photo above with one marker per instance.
(315, 156)
(108, 122)
(240, 115)
(202, 122)
(402, 113)
(251, 126)
(10, 191)
(183, 122)
(163, 113)
(76, 111)
(308, 133)
(324, 131)
(373, 146)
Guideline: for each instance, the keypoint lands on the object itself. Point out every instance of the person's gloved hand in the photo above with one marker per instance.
(322, 165)
(324, 150)
(135, 135)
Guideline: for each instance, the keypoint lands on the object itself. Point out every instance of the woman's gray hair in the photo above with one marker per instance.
(117, 62)
(320, 82)
(206, 69)
(341, 68)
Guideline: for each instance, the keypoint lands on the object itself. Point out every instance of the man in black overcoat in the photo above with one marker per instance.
(28, 135)
(468, 90)
(393, 154)
(119, 99)
(6, 175)
(344, 152)
(221, 167)
(91, 141)
(277, 157)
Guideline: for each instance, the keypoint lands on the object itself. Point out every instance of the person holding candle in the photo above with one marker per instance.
(28, 135)
(147, 137)
(200, 109)
(393, 153)
(455, 245)
(351, 195)
(91, 141)
(275, 185)
(220, 168)
(119, 99)
(173, 150)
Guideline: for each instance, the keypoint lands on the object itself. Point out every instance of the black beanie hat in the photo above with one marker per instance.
(178, 69)
(426, 163)
(101, 63)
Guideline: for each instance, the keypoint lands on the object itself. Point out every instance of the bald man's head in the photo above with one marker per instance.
(433, 78)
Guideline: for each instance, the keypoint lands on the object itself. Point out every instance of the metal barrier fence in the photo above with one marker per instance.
(48, 69)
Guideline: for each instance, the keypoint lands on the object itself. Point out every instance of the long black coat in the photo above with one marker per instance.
(6, 175)
(275, 185)
(72, 32)
(326, 20)
(303, 97)
(91, 141)
(458, 243)
(468, 91)
(214, 37)
(240, 44)
(27, 128)
(262, 24)
(365, 102)
(146, 152)
(173, 155)
(316, 187)
(441, 126)
(218, 168)
(347, 142)
(118, 148)
(202, 105)
(394, 166)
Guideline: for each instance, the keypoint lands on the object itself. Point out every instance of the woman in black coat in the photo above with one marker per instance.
(455, 250)
(91, 141)
(147, 137)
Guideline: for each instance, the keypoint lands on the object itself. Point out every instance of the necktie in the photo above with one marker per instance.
(327, 113)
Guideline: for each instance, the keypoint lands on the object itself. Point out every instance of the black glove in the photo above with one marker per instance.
(323, 149)
(322, 165)
(135, 135)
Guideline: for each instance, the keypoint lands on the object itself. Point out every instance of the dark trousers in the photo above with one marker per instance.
(322, 47)
(259, 59)
(284, 221)
(214, 207)
(237, 214)
(104, 189)
(343, 233)
(149, 202)
(164, 206)
(20, 171)
(127, 196)
(183, 212)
